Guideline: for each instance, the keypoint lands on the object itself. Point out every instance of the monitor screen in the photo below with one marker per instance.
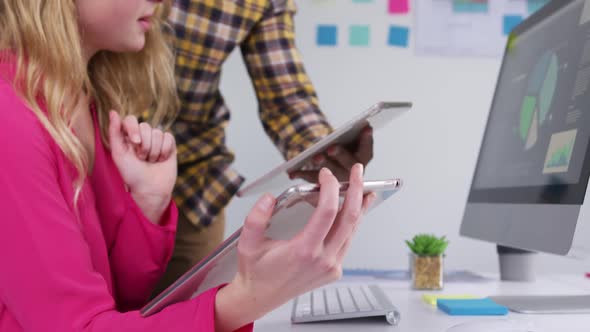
(535, 145)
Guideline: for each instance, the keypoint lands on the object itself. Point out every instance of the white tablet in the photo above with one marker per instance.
(293, 209)
(377, 116)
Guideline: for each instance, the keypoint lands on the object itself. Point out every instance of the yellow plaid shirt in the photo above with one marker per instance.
(206, 32)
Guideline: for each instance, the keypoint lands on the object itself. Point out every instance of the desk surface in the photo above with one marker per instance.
(417, 316)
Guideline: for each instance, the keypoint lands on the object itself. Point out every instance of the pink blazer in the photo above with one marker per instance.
(84, 268)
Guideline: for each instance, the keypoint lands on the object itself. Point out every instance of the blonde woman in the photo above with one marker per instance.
(85, 192)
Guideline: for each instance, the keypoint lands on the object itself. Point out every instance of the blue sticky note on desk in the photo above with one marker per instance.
(471, 307)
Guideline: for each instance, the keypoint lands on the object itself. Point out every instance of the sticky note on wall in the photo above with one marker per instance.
(359, 35)
(510, 22)
(534, 5)
(398, 6)
(398, 36)
(327, 35)
(470, 6)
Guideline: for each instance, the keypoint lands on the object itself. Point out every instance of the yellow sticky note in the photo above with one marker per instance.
(431, 298)
(512, 41)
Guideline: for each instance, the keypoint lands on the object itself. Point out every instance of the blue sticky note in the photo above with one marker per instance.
(327, 35)
(534, 5)
(471, 307)
(398, 36)
(510, 22)
(359, 35)
(470, 6)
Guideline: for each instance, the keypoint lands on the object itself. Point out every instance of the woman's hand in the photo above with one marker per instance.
(146, 159)
(272, 272)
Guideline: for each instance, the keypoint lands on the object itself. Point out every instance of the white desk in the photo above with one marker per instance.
(417, 316)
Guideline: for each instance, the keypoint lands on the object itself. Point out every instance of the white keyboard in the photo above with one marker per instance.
(344, 302)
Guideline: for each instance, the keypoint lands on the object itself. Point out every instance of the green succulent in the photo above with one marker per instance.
(428, 245)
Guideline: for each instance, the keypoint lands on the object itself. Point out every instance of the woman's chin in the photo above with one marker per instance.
(132, 45)
(138, 45)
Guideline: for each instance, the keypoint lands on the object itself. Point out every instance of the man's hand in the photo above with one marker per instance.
(340, 159)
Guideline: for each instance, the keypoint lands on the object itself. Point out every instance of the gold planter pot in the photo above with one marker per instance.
(427, 271)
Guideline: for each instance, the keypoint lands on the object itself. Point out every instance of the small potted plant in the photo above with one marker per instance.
(426, 261)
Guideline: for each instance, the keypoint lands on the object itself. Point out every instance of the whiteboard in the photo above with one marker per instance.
(433, 149)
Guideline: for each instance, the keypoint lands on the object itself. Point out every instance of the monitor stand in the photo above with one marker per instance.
(552, 304)
(517, 265)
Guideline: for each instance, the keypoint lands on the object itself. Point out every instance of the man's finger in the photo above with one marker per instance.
(312, 176)
(364, 151)
(309, 176)
(339, 172)
(343, 157)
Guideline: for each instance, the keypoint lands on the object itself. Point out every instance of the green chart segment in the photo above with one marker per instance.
(537, 103)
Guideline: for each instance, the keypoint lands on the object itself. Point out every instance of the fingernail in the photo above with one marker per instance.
(266, 202)
(360, 167)
(136, 139)
(318, 159)
(333, 150)
(372, 198)
(326, 171)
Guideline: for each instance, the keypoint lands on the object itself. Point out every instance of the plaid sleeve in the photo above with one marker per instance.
(206, 182)
(288, 104)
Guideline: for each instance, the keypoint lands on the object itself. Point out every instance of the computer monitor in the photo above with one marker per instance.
(532, 172)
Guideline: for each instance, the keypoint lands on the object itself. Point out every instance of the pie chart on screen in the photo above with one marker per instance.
(537, 102)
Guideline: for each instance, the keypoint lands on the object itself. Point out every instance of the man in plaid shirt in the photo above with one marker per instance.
(206, 32)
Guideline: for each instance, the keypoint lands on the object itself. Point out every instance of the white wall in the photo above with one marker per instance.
(433, 148)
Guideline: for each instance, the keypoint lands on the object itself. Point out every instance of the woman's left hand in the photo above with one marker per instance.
(271, 272)
(146, 159)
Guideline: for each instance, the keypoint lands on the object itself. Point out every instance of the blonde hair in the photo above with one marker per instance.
(42, 34)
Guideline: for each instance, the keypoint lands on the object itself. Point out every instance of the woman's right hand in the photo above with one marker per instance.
(273, 272)
(146, 160)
